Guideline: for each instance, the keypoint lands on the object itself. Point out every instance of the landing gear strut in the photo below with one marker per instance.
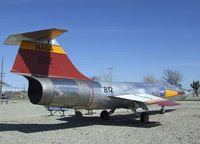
(112, 111)
(104, 115)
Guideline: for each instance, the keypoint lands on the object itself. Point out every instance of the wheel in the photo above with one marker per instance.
(78, 114)
(104, 115)
(144, 118)
(162, 110)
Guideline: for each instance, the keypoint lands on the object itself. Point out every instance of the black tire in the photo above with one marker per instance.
(144, 118)
(78, 114)
(104, 115)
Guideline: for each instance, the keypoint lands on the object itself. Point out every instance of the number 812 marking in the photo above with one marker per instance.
(108, 89)
(44, 60)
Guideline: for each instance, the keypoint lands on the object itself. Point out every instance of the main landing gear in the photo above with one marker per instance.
(78, 113)
(144, 116)
(104, 115)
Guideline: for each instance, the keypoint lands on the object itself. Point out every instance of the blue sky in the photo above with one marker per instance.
(135, 37)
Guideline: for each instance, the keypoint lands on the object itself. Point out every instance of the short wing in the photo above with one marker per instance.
(147, 99)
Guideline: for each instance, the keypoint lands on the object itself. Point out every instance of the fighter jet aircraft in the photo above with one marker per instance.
(55, 81)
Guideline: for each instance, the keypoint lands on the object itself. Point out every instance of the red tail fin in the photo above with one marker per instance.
(40, 55)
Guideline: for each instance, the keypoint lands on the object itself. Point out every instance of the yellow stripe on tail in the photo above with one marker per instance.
(41, 47)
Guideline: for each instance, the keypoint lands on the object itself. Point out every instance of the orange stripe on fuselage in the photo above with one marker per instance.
(41, 47)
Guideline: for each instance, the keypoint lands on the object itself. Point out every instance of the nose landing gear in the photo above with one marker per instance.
(162, 110)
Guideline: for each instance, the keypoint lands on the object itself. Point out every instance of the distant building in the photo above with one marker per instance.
(10, 91)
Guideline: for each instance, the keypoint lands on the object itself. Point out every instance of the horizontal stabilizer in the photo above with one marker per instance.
(147, 99)
(41, 35)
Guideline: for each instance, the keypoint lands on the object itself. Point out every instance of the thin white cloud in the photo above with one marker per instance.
(188, 64)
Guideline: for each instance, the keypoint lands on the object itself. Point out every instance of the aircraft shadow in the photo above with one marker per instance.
(129, 120)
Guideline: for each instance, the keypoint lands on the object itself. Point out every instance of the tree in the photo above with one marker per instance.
(174, 77)
(150, 79)
(195, 85)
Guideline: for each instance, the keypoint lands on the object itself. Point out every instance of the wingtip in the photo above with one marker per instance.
(167, 103)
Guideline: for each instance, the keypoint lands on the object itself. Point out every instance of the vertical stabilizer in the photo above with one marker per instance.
(40, 55)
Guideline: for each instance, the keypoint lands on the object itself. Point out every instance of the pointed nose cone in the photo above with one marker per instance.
(184, 94)
(187, 93)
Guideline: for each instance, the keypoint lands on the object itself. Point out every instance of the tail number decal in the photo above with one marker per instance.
(108, 89)
(44, 60)
(44, 47)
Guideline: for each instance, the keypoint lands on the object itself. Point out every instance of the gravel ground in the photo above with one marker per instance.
(22, 123)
